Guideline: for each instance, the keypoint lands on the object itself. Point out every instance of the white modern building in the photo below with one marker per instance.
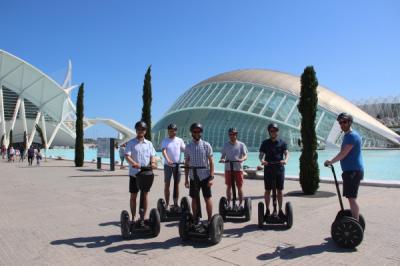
(251, 99)
(29, 97)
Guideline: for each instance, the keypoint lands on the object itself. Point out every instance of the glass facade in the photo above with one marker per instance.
(250, 108)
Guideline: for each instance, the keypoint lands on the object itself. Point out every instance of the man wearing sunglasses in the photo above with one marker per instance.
(351, 162)
(199, 153)
(274, 155)
(234, 150)
(139, 152)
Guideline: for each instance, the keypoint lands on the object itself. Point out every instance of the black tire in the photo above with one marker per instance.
(154, 222)
(347, 232)
(185, 205)
(223, 202)
(161, 206)
(289, 215)
(247, 209)
(348, 213)
(125, 225)
(216, 229)
(260, 214)
(184, 225)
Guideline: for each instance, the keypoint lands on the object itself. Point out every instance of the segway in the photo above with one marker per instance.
(346, 231)
(235, 210)
(274, 218)
(149, 227)
(175, 211)
(189, 224)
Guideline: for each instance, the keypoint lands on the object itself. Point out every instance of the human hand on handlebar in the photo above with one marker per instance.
(186, 184)
(154, 165)
(135, 165)
(222, 160)
(283, 162)
(265, 163)
(210, 183)
(327, 163)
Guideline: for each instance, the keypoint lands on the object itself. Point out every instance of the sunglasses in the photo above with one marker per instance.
(343, 122)
(232, 134)
(273, 131)
(196, 132)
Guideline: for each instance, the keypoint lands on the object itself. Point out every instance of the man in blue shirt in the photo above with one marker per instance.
(351, 162)
(139, 152)
(274, 155)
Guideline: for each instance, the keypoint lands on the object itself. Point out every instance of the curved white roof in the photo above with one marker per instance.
(291, 84)
(31, 83)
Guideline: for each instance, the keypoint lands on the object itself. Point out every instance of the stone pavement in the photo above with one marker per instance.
(57, 214)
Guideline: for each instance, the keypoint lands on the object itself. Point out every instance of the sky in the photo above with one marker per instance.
(353, 46)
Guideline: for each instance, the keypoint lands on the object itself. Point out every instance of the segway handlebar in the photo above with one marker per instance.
(227, 161)
(193, 167)
(336, 184)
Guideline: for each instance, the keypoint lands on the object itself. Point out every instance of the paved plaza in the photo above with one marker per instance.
(57, 214)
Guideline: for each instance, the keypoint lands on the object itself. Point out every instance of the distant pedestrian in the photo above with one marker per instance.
(11, 154)
(31, 154)
(351, 162)
(3, 151)
(122, 155)
(22, 154)
(38, 157)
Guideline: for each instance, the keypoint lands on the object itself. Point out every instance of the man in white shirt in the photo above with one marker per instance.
(172, 147)
(139, 152)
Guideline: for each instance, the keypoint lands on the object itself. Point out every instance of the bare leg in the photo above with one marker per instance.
(267, 197)
(280, 199)
(240, 192)
(355, 209)
(209, 208)
(133, 205)
(166, 192)
(194, 207)
(229, 193)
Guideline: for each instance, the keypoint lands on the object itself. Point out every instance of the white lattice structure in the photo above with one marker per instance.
(29, 97)
(386, 110)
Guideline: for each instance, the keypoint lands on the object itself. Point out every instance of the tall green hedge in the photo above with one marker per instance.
(147, 99)
(309, 170)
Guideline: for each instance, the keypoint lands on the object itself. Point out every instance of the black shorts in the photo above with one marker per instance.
(134, 186)
(271, 175)
(204, 188)
(170, 171)
(351, 183)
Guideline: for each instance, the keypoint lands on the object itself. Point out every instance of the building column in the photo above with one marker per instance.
(53, 134)
(2, 117)
(44, 131)
(16, 109)
(23, 115)
(32, 135)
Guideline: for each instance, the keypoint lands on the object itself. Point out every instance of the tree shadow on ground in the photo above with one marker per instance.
(291, 252)
(318, 194)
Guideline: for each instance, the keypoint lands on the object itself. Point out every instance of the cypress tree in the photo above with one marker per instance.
(79, 149)
(309, 170)
(147, 98)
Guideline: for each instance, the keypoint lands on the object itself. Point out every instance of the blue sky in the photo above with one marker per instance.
(353, 45)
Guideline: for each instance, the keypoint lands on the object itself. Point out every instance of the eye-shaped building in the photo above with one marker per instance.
(251, 99)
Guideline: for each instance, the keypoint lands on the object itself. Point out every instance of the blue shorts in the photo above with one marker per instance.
(170, 171)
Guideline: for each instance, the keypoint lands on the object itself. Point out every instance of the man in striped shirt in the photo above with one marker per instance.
(199, 153)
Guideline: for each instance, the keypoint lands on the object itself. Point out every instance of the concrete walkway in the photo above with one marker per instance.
(57, 214)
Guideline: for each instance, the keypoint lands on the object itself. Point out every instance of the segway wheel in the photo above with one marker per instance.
(161, 207)
(185, 205)
(184, 225)
(347, 232)
(247, 209)
(216, 228)
(125, 227)
(289, 215)
(223, 202)
(349, 214)
(260, 214)
(154, 222)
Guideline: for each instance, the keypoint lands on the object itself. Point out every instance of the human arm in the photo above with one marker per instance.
(164, 153)
(341, 155)
(284, 161)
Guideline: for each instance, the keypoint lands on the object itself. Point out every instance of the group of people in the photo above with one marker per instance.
(273, 155)
(12, 154)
